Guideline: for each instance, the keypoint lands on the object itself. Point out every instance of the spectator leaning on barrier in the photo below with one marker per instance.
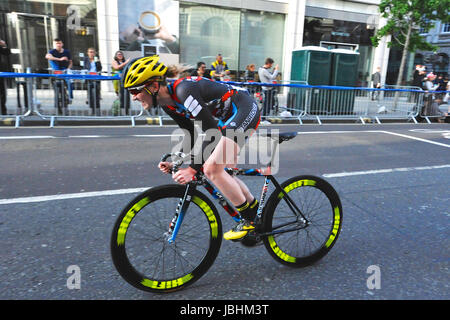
(219, 68)
(429, 86)
(93, 65)
(4, 67)
(92, 62)
(60, 59)
(447, 95)
(201, 70)
(268, 92)
(249, 76)
(419, 76)
(442, 86)
(119, 62)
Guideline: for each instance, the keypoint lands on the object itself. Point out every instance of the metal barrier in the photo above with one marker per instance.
(48, 97)
(436, 106)
(72, 96)
(300, 101)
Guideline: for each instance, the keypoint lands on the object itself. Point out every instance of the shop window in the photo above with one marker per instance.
(241, 36)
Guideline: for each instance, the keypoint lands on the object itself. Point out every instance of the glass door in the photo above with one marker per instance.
(31, 39)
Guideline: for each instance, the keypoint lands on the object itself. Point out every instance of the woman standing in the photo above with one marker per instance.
(118, 64)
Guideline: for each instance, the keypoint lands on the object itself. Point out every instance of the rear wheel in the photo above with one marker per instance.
(294, 242)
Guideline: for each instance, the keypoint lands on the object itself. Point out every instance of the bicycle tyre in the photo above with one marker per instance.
(320, 204)
(152, 212)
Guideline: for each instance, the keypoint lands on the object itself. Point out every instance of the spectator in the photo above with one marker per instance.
(4, 51)
(249, 76)
(376, 82)
(91, 61)
(118, 64)
(219, 69)
(93, 65)
(447, 94)
(200, 71)
(442, 86)
(268, 92)
(60, 59)
(429, 86)
(419, 76)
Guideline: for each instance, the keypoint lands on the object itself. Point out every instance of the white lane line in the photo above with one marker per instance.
(87, 136)
(155, 135)
(360, 173)
(342, 131)
(26, 137)
(72, 196)
(418, 139)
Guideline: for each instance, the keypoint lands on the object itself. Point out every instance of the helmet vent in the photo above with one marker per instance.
(156, 66)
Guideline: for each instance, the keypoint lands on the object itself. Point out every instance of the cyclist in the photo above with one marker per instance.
(217, 106)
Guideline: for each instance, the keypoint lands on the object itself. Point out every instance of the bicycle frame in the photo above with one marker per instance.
(200, 179)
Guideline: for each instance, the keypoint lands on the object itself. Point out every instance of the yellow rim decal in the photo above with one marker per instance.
(127, 219)
(167, 284)
(209, 213)
(278, 252)
(297, 184)
(337, 222)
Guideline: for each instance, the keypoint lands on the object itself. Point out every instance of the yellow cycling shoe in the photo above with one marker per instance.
(239, 231)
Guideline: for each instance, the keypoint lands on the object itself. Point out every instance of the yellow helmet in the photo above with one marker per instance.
(141, 70)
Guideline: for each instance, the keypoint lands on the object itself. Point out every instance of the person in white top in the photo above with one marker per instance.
(265, 76)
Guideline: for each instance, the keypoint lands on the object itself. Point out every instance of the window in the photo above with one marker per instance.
(241, 36)
(446, 27)
(261, 37)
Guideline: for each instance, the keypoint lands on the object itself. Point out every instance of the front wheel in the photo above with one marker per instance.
(140, 246)
(290, 239)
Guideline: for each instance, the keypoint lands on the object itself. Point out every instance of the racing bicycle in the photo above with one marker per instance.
(167, 237)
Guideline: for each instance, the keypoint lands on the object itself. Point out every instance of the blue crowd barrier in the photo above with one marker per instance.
(299, 101)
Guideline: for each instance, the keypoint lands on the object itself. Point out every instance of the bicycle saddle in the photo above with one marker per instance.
(283, 136)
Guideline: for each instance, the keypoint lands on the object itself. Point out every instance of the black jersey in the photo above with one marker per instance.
(216, 105)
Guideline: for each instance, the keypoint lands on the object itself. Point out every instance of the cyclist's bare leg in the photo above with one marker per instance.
(225, 154)
(248, 195)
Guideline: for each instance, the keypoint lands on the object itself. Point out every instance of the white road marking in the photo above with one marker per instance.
(418, 139)
(155, 135)
(360, 173)
(446, 134)
(72, 196)
(87, 136)
(26, 137)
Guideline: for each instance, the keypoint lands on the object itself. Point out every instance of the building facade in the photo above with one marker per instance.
(437, 61)
(188, 31)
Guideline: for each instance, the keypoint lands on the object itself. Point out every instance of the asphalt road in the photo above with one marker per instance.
(56, 211)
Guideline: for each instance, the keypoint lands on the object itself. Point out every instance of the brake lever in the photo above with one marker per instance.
(176, 164)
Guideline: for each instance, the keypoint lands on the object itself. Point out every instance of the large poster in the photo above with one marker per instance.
(149, 27)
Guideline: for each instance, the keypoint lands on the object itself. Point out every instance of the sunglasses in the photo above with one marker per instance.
(137, 90)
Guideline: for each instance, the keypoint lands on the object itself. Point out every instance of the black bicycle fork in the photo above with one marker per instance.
(182, 207)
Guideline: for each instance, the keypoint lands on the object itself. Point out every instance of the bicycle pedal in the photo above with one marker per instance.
(249, 241)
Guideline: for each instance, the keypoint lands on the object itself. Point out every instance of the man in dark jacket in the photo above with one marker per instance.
(93, 65)
(4, 67)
